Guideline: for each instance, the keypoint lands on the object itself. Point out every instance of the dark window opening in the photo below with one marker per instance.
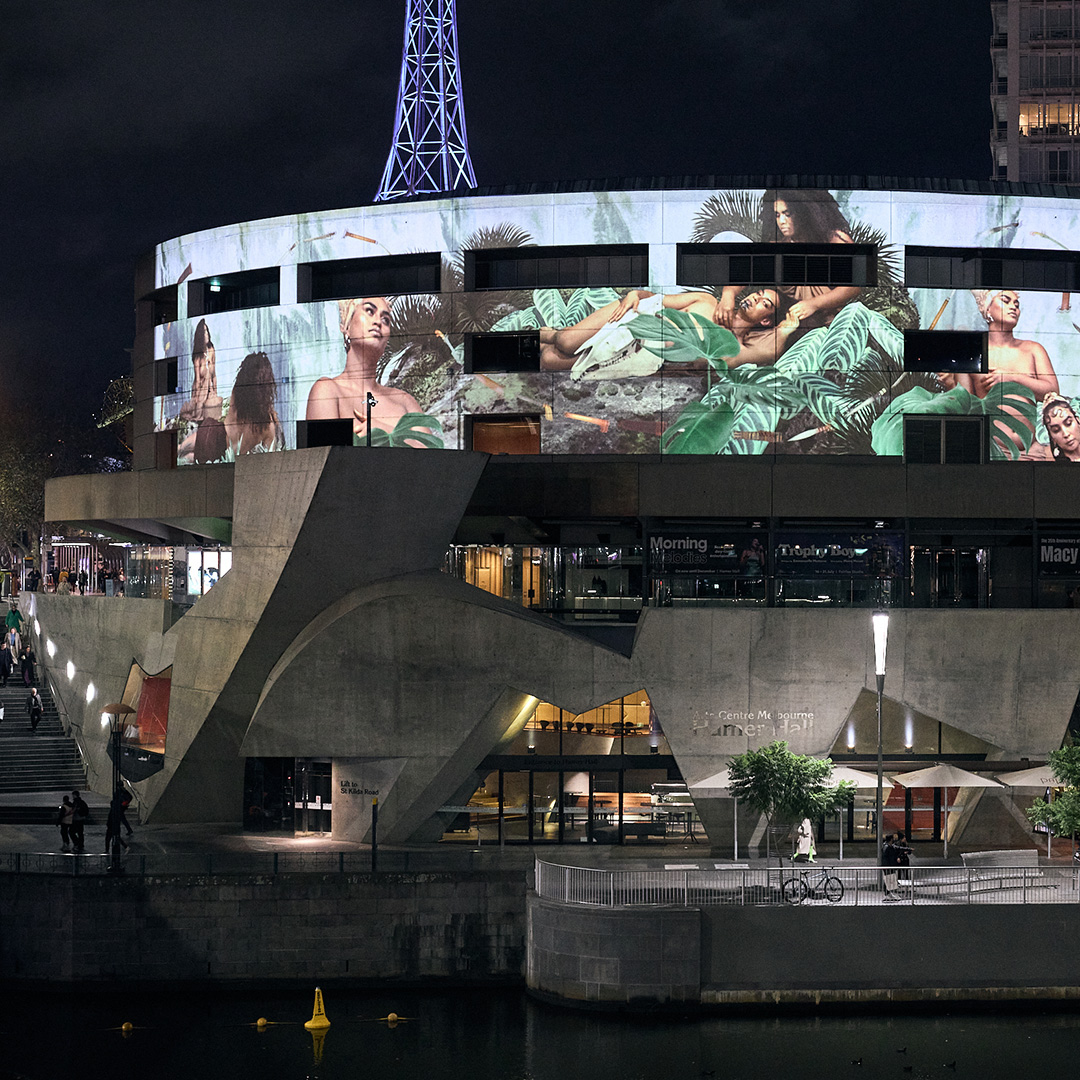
(232, 292)
(768, 264)
(944, 350)
(324, 433)
(502, 352)
(937, 440)
(388, 275)
(572, 267)
(991, 268)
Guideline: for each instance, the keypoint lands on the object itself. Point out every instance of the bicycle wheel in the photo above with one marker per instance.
(794, 890)
(834, 890)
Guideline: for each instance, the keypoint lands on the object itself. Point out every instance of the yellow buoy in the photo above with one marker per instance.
(127, 1025)
(318, 1017)
(392, 1017)
(261, 1022)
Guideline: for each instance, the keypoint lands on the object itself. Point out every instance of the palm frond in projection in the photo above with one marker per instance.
(729, 211)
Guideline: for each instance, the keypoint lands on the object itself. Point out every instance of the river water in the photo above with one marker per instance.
(501, 1035)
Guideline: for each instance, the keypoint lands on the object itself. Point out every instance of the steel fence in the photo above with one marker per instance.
(782, 886)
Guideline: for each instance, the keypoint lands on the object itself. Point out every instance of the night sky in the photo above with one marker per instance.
(128, 122)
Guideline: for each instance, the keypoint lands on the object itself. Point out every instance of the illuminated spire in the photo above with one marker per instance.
(430, 151)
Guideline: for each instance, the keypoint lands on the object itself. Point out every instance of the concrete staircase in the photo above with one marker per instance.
(45, 761)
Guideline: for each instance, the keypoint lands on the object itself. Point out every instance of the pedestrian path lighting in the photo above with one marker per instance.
(881, 641)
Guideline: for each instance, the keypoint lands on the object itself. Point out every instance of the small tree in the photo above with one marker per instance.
(1062, 816)
(781, 784)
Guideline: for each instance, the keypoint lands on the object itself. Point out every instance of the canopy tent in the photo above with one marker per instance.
(943, 776)
(1037, 779)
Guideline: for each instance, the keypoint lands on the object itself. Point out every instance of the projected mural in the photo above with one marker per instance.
(748, 369)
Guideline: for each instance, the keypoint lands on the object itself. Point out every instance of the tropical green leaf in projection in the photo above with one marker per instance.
(889, 339)
(845, 339)
(755, 426)
(551, 306)
(681, 337)
(750, 385)
(827, 401)
(699, 430)
(411, 428)
(1010, 409)
(527, 319)
(583, 302)
(802, 356)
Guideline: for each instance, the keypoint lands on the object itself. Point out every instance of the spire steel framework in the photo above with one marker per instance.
(430, 151)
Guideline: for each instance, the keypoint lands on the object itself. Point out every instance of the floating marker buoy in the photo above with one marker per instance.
(127, 1025)
(318, 1016)
(391, 1018)
(261, 1022)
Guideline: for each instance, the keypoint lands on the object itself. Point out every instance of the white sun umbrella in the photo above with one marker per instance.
(863, 781)
(718, 786)
(1039, 778)
(943, 776)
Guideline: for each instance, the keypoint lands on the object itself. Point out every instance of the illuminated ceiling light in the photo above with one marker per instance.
(70, 671)
(50, 648)
(91, 692)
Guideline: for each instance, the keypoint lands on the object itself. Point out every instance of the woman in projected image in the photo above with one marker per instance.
(251, 424)
(1009, 358)
(757, 320)
(365, 326)
(793, 216)
(1063, 428)
(205, 402)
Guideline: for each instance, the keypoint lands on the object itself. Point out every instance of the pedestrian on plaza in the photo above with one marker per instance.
(79, 820)
(11, 636)
(804, 842)
(7, 662)
(100, 577)
(65, 819)
(890, 860)
(35, 708)
(27, 662)
(116, 816)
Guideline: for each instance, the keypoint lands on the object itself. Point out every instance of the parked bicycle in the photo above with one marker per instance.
(825, 885)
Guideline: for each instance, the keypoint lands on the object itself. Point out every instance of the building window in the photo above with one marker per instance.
(991, 268)
(232, 292)
(573, 267)
(940, 440)
(504, 434)
(770, 264)
(955, 351)
(502, 352)
(166, 377)
(1057, 166)
(389, 275)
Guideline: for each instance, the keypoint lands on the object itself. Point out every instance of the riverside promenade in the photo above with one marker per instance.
(669, 927)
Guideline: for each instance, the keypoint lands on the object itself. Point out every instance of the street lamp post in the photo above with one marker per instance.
(371, 402)
(881, 640)
(113, 716)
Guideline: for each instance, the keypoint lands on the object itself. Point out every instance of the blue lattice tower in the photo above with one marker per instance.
(430, 151)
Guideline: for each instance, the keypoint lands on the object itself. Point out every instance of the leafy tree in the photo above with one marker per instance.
(1062, 816)
(784, 785)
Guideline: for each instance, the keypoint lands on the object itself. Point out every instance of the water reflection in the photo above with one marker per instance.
(464, 1034)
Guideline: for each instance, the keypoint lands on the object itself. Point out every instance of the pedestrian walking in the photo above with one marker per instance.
(65, 819)
(35, 708)
(79, 820)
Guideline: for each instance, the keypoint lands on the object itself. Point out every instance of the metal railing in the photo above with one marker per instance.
(741, 886)
(263, 864)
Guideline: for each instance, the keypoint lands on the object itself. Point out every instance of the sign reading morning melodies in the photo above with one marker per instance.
(663, 369)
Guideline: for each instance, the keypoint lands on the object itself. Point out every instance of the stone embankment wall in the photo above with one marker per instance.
(723, 956)
(302, 927)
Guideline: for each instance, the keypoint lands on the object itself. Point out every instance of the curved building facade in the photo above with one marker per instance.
(701, 433)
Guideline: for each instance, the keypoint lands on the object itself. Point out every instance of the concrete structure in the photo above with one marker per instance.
(663, 538)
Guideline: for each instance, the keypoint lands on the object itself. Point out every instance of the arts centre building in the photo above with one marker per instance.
(524, 511)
